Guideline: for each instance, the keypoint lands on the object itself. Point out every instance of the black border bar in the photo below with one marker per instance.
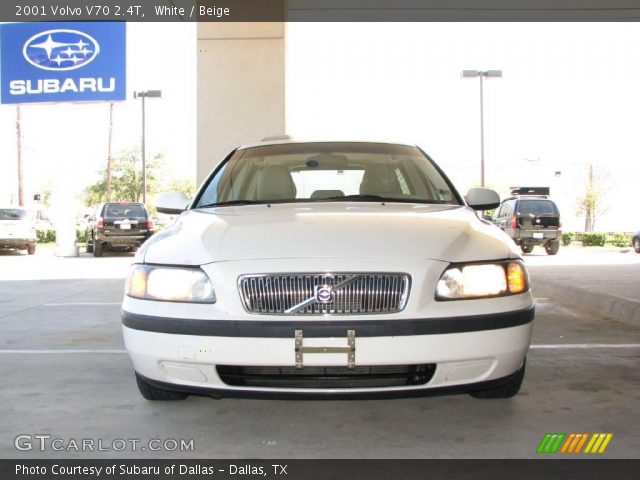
(326, 328)
(320, 10)
(325, 469)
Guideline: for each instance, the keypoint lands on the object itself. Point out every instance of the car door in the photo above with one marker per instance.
(538, 215)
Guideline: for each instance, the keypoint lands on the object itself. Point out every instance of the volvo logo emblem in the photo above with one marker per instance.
(324, 294)
(60, 50)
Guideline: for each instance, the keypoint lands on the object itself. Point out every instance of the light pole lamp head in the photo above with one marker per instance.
(479, 73)
(148, 93)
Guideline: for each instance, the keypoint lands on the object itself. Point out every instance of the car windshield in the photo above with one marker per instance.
(324, 172)
(537, 207)
(12, 214)
(124, 210)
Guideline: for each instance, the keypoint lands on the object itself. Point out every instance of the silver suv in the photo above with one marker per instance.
(17, 230)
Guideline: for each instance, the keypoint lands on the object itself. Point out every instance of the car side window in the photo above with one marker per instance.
(505, 211)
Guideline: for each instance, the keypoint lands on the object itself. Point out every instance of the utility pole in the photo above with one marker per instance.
(19, 145)
(588, 218)
(109, 158)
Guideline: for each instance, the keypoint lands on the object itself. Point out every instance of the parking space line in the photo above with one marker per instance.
(584, 346)
(80, 303)
(63, 350)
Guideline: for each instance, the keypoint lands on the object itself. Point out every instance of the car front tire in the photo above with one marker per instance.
(150, 392)
(636, 245)
(31, 249)
(507, 390)
(552, 247)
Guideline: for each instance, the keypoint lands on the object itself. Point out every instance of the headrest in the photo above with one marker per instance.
(275, 183)
(379, 180)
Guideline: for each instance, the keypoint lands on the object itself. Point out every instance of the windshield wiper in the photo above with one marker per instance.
(230, 203)
(379, 198)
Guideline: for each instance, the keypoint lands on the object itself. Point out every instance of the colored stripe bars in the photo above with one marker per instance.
(574, 443)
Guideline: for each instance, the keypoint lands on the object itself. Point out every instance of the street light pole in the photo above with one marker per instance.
(144, 155)
(481, 75)
(19, 145)
(481, 132)
(143, 95)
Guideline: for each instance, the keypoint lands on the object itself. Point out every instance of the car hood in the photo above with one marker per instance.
(327, 230)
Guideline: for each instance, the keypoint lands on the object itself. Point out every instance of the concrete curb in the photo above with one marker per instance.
(619, 308)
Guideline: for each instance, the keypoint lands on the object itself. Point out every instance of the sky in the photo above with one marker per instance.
(568, 98)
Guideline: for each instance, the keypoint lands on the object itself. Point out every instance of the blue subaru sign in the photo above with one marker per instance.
(62, 62)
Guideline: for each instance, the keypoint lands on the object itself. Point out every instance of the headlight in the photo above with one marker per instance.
(483, 280)
(173, 284)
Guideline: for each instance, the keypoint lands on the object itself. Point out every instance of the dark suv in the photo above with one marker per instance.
(118, 225)
(530, 221)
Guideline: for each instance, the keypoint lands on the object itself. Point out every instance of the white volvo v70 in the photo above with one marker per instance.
(350, 269)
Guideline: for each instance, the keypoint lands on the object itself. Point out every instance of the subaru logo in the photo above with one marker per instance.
(60, 50)
(324, 294)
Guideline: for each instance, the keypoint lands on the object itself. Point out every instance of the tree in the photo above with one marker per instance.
(592, 203)
(186, 185)
(126, 174)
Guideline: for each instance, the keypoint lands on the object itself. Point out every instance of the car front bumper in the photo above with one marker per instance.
(467, 351)
(123, 240)
(13, 242)
(537, 237)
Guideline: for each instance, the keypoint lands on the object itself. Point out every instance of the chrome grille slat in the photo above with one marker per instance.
(360, 293)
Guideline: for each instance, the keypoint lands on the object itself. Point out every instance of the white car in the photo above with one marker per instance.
(328, 268)
(17, 230)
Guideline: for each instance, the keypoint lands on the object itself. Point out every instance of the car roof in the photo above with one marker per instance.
(284, 141)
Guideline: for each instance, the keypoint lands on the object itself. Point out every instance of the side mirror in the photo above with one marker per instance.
(482, 199)
(172, 202)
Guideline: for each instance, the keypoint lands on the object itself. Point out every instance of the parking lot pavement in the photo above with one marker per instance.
(605, 281)
(65, 374)
(44, 265)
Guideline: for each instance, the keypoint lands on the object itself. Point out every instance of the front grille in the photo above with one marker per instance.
(324, 293)
(327, 377)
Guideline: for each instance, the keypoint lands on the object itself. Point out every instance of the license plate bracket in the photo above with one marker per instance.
(349, 349)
